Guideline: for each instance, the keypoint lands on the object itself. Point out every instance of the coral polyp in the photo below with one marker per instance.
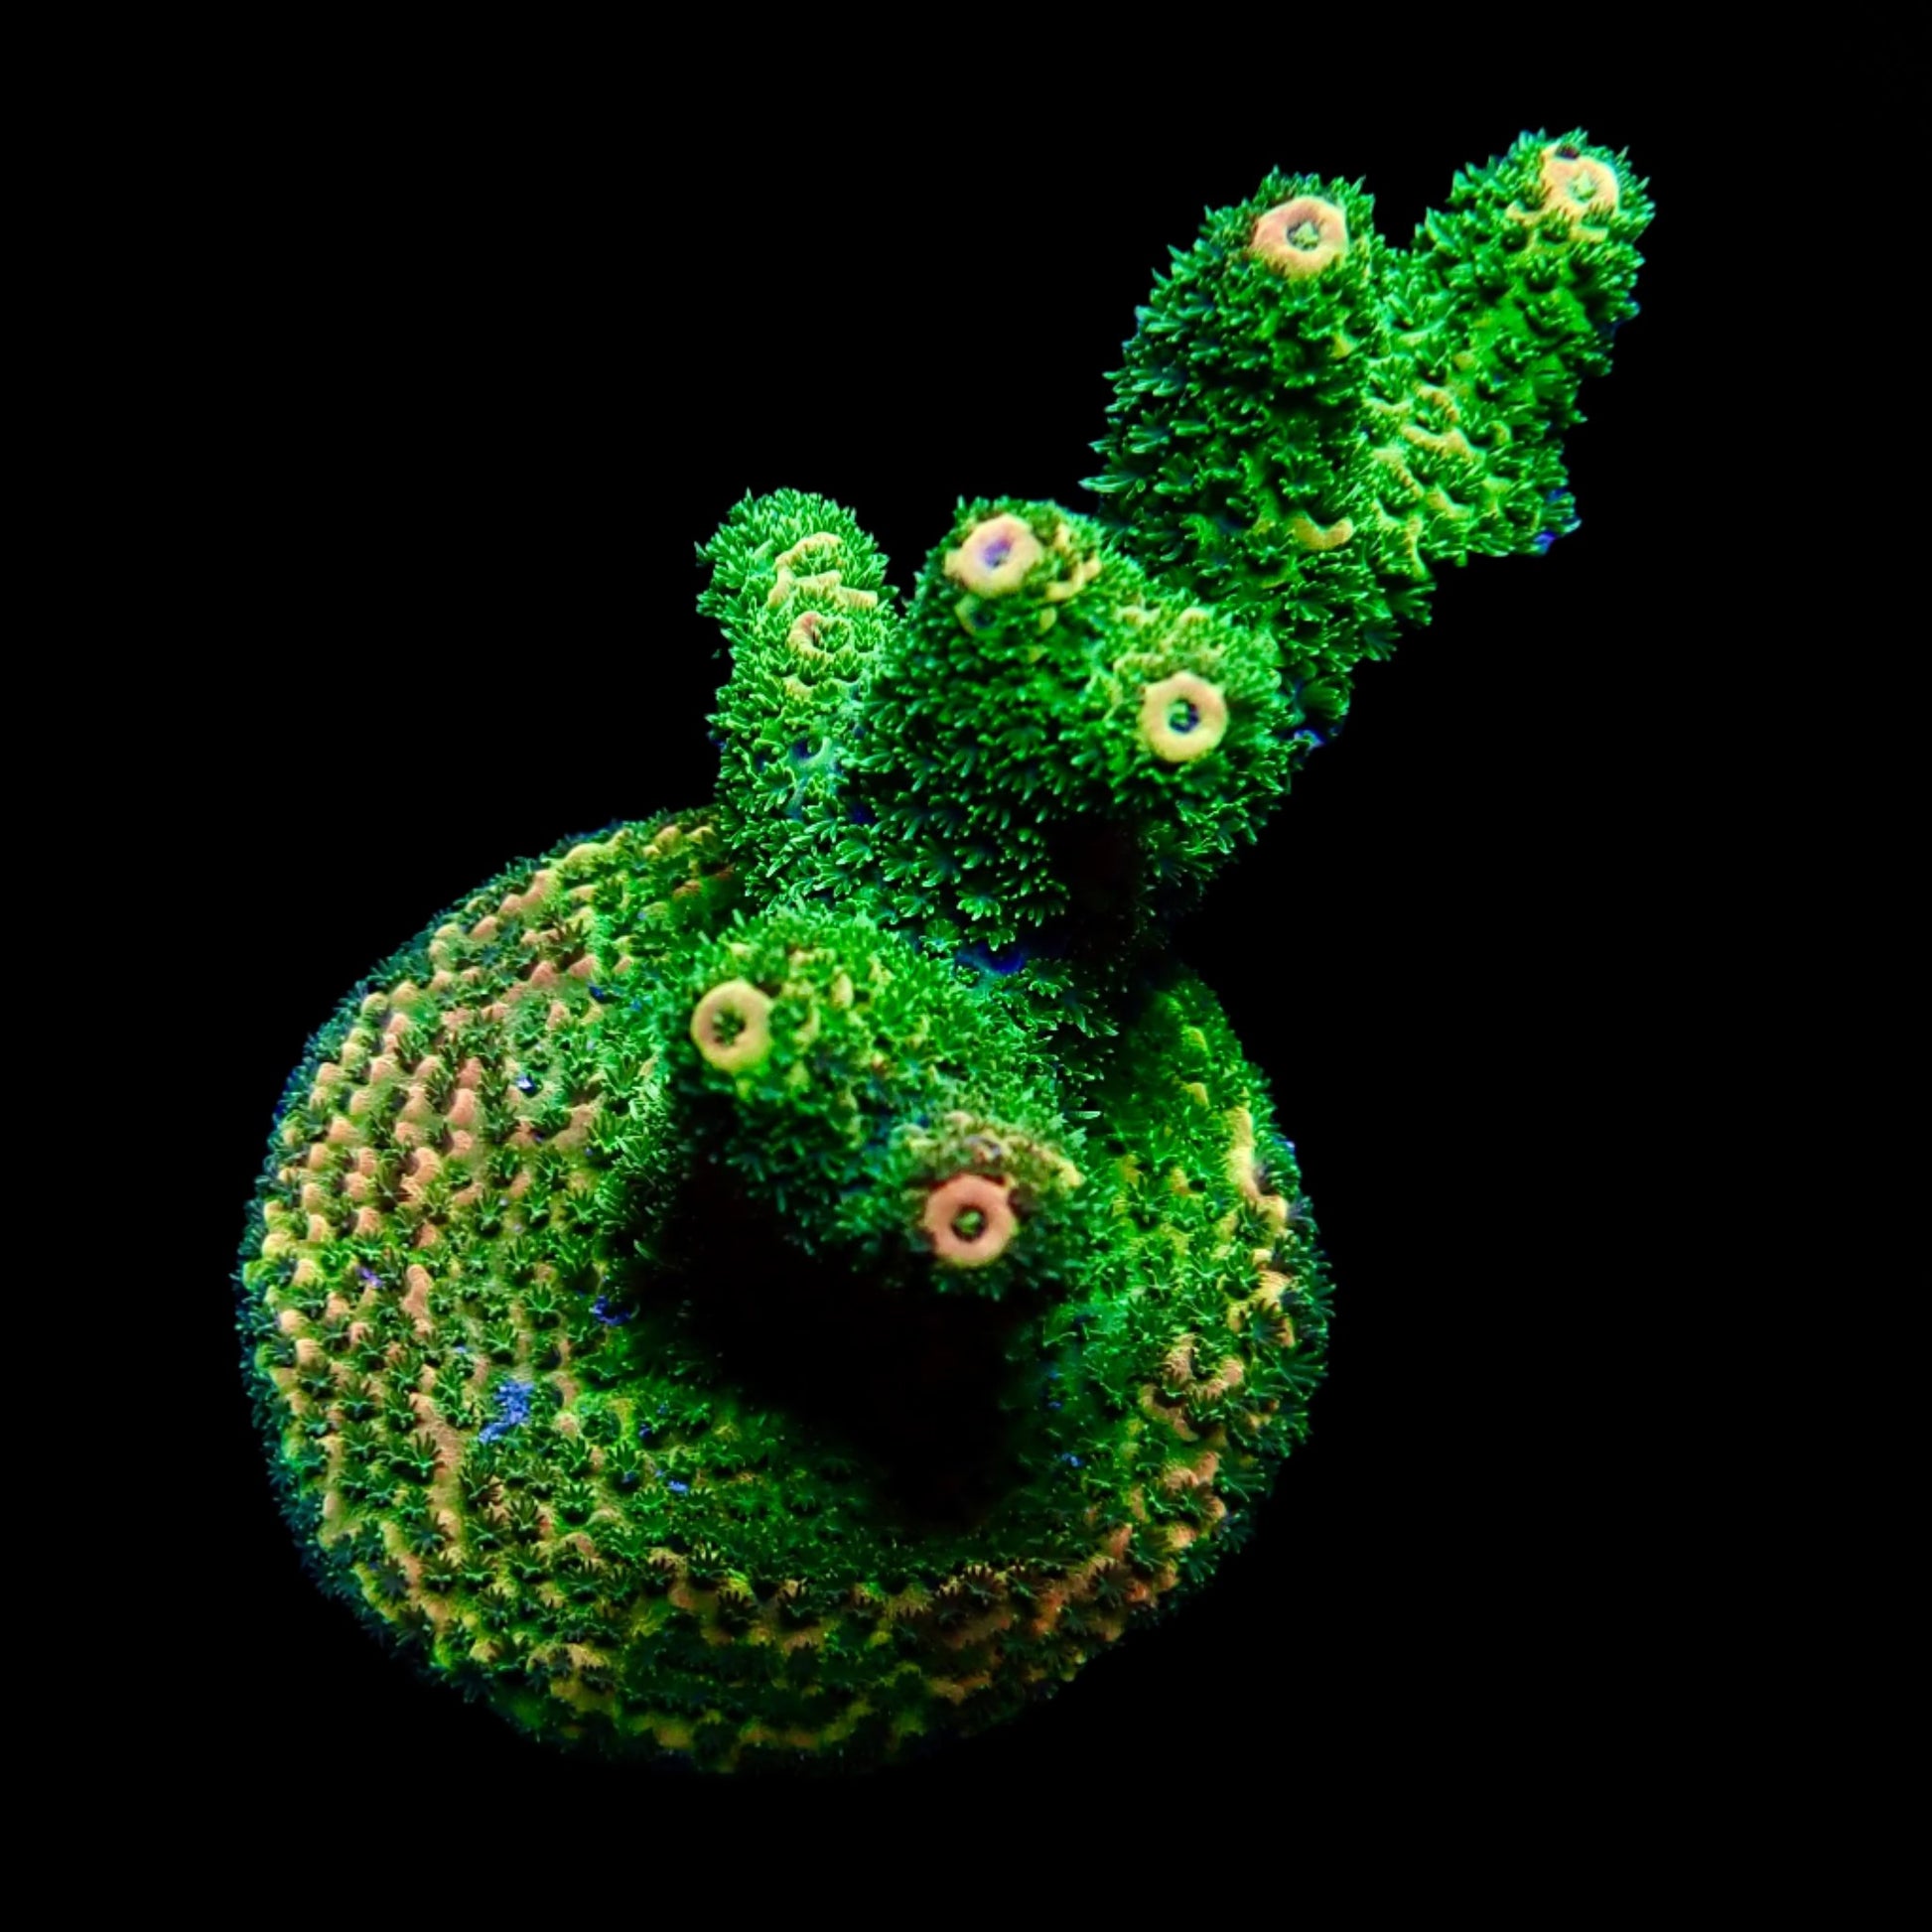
(799, 1275)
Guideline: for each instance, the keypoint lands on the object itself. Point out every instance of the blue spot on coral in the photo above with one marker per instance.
(512, 1410)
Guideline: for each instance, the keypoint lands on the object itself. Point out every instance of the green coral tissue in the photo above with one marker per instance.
(879, 1060)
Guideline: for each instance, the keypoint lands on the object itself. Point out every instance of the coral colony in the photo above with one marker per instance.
(800, 1274)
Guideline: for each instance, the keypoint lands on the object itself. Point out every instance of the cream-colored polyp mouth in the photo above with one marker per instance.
(1176, 744)
(995, 557)
(1576, 183)
(733, 1048)
(981, 1203)
(1301, 236)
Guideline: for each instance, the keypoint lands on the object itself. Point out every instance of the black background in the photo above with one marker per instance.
(462, 404)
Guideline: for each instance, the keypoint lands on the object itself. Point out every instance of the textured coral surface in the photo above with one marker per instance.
(802, 1274)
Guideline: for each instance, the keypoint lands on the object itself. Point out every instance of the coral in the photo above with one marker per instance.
(785, 1279)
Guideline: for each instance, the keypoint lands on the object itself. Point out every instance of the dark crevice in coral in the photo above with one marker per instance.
(1099, 861)
(911, 1383)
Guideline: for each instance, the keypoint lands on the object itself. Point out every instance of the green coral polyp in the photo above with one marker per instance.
(778, 1282)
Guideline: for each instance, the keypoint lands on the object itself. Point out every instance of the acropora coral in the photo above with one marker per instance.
(804, 1273)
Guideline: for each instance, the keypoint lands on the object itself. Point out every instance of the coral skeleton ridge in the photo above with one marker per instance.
(802, 1274)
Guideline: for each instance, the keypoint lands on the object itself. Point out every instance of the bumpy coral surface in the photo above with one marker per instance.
(802, 1274)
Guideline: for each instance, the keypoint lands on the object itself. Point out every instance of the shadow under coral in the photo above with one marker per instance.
(912, 1385)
